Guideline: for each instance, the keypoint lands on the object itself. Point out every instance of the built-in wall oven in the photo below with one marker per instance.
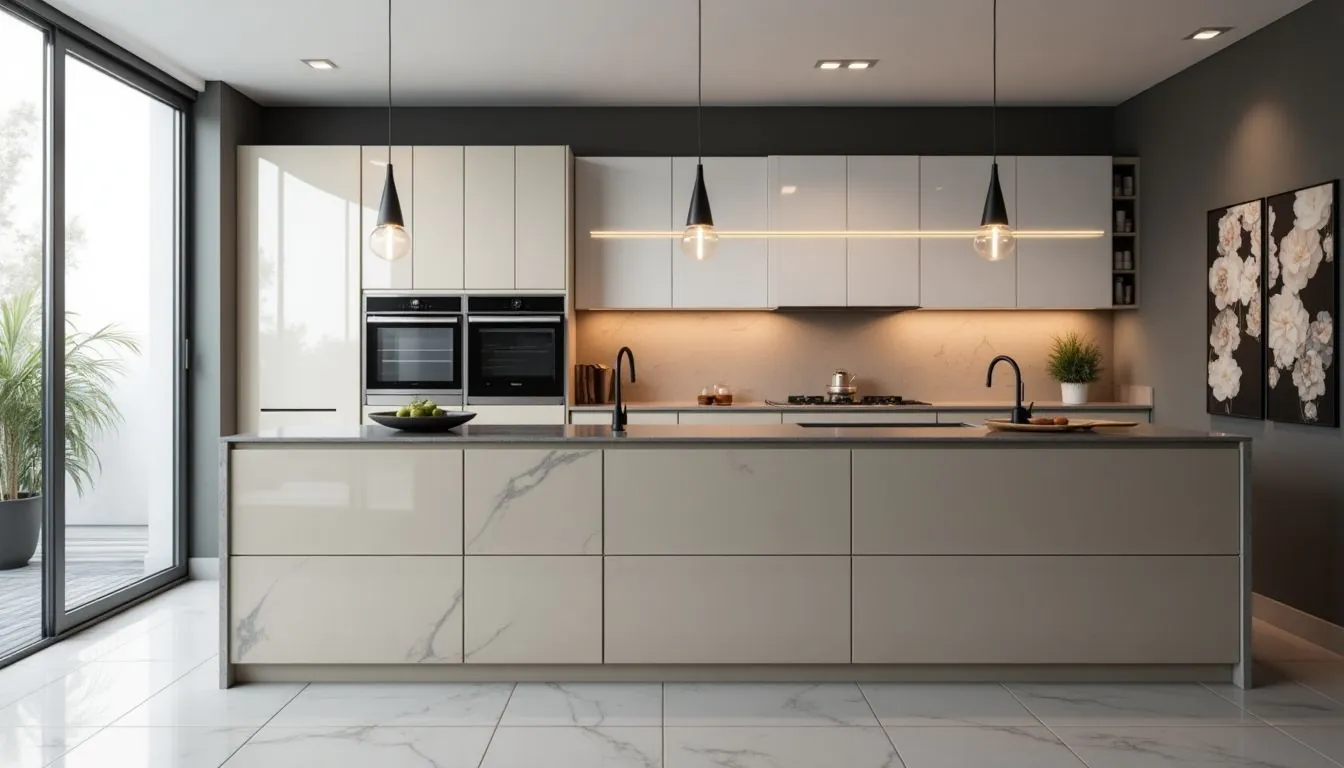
(413, 347)
(515, 350)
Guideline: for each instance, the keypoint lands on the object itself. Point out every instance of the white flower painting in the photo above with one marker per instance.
(1236, 300)
(1299, 317)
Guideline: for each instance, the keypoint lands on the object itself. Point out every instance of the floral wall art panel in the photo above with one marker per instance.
(1236, 352)
(1303, 287)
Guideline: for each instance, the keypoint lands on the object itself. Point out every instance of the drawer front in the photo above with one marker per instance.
(730, 502)
(517, 414)
(727, 610)
(1046, 610)
(1183, 501)
(830, 417)
(396, 501)
(521, 502)
(533, 610)
(345, 610)
(603, 418)
(725, 416)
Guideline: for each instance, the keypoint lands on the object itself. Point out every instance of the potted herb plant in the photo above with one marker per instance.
(1074, 362)
(91, 368)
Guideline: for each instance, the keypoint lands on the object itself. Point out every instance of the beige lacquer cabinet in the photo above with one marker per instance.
(735, 552)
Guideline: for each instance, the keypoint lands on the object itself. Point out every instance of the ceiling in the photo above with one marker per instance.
(642, 52)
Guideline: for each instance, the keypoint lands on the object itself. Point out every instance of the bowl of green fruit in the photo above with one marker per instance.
(422, 416)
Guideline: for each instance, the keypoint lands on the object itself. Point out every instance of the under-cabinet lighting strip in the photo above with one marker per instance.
(852, 234)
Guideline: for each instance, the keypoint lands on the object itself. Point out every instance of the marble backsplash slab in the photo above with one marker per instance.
(924, 355)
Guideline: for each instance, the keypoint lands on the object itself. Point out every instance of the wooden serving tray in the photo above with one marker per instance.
(1074, 425)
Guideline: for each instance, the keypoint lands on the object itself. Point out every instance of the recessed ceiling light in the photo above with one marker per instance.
(858, 65)
(1207, 33)
(320, 63)
(828, 65)
(788, 189)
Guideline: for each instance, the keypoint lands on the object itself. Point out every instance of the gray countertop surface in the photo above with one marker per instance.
(756, 405)
(791, 434)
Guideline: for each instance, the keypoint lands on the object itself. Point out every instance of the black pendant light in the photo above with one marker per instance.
(995, 240)
(700, 240)
(390, 240)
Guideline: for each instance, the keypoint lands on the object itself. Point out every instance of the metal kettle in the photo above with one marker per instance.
(842, 383)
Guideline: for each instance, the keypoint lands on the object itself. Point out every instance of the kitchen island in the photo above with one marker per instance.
(734, 552)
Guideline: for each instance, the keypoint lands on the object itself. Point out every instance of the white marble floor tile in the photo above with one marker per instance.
(1324, 677)
(156, 748)
(900, 704)
(173, 640)
(1130, 704)
(612, 704)
(401, 704)
(782, 747)
(1284, 703)
(95, 694)
(35, 746)
(765, 704)
(1001, 747)
(584, 747)
(197, 700)
(1181, 747)
(1328, 740)
(1270, 643)
(364, 747)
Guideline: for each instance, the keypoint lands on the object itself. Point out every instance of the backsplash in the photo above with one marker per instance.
(924, 355)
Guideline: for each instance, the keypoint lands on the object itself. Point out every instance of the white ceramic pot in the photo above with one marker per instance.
(1074, 394)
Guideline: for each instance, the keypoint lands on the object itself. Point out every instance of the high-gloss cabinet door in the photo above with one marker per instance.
(299, 248)
(541, 228)
(378, 273)
(807, 193)
(1064, 193)
(952, 198)
(438, 233)
(313, 501)
(533, 610)
(533, 501)
(737, 276)
(726, 416)
(489, 217)
(727, 610)
(883, 196)
(345, 610)
(623, 194)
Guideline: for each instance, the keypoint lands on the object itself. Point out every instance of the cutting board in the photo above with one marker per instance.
(1074, 425)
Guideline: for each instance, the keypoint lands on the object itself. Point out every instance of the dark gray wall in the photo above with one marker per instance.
(728, 131)
(1264, 116)
(222, 119)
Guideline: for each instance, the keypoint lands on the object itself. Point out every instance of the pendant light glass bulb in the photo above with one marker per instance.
(995, 242)
(700, 242)
(390, 239)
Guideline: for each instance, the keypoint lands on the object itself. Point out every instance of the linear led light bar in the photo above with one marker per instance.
(849, 234)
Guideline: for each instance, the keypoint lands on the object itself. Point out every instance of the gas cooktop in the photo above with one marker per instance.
(846, 400)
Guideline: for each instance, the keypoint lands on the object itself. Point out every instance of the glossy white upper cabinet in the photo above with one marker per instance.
(1064, 193)
(623, 194)
(737, 277)
(299, 246)
(489, 217)
(436, 242)
(807, 193)
(541, 219)
(883, 194)
(380, 274)
(952, 197)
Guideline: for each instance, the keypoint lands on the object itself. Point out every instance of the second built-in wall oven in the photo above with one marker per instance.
(515, 350)
(413, 348)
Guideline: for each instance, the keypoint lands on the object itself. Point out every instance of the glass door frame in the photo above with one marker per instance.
(57, 621)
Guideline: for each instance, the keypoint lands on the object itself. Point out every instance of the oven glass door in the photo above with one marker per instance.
(407, 355)
(516, 357)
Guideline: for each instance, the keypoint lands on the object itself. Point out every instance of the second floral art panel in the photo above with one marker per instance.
(1303, 288)
(1236, 351)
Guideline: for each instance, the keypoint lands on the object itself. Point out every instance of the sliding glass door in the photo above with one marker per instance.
(92, 386)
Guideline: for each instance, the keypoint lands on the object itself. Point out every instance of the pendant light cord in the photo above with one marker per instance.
(699, 80)
(994, 110)
(389, 82)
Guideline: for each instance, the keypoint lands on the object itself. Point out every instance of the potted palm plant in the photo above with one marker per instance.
(1074, 362)
(91, 368)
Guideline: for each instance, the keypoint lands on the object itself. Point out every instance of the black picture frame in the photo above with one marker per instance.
(1235, 299)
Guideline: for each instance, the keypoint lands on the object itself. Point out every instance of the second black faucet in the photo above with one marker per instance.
(618, 414)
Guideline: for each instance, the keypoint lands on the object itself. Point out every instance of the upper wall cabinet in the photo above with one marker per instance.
(1064, 193)
(737, 275)
(299, 246)
(541, 233)
(626, 194)
(489, 217)
(807, 193)
(380, 274)
(436, 246)
(883, 195)
(952, 197)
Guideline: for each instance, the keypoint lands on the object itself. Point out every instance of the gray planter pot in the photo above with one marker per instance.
(20, 525)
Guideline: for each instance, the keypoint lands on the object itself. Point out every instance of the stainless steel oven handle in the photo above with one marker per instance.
(515, 319)
(420, 320)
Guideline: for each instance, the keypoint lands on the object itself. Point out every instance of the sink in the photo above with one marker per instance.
(871, 425)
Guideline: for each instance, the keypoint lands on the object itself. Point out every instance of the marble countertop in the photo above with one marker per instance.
(756, 405)
(725, 433)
